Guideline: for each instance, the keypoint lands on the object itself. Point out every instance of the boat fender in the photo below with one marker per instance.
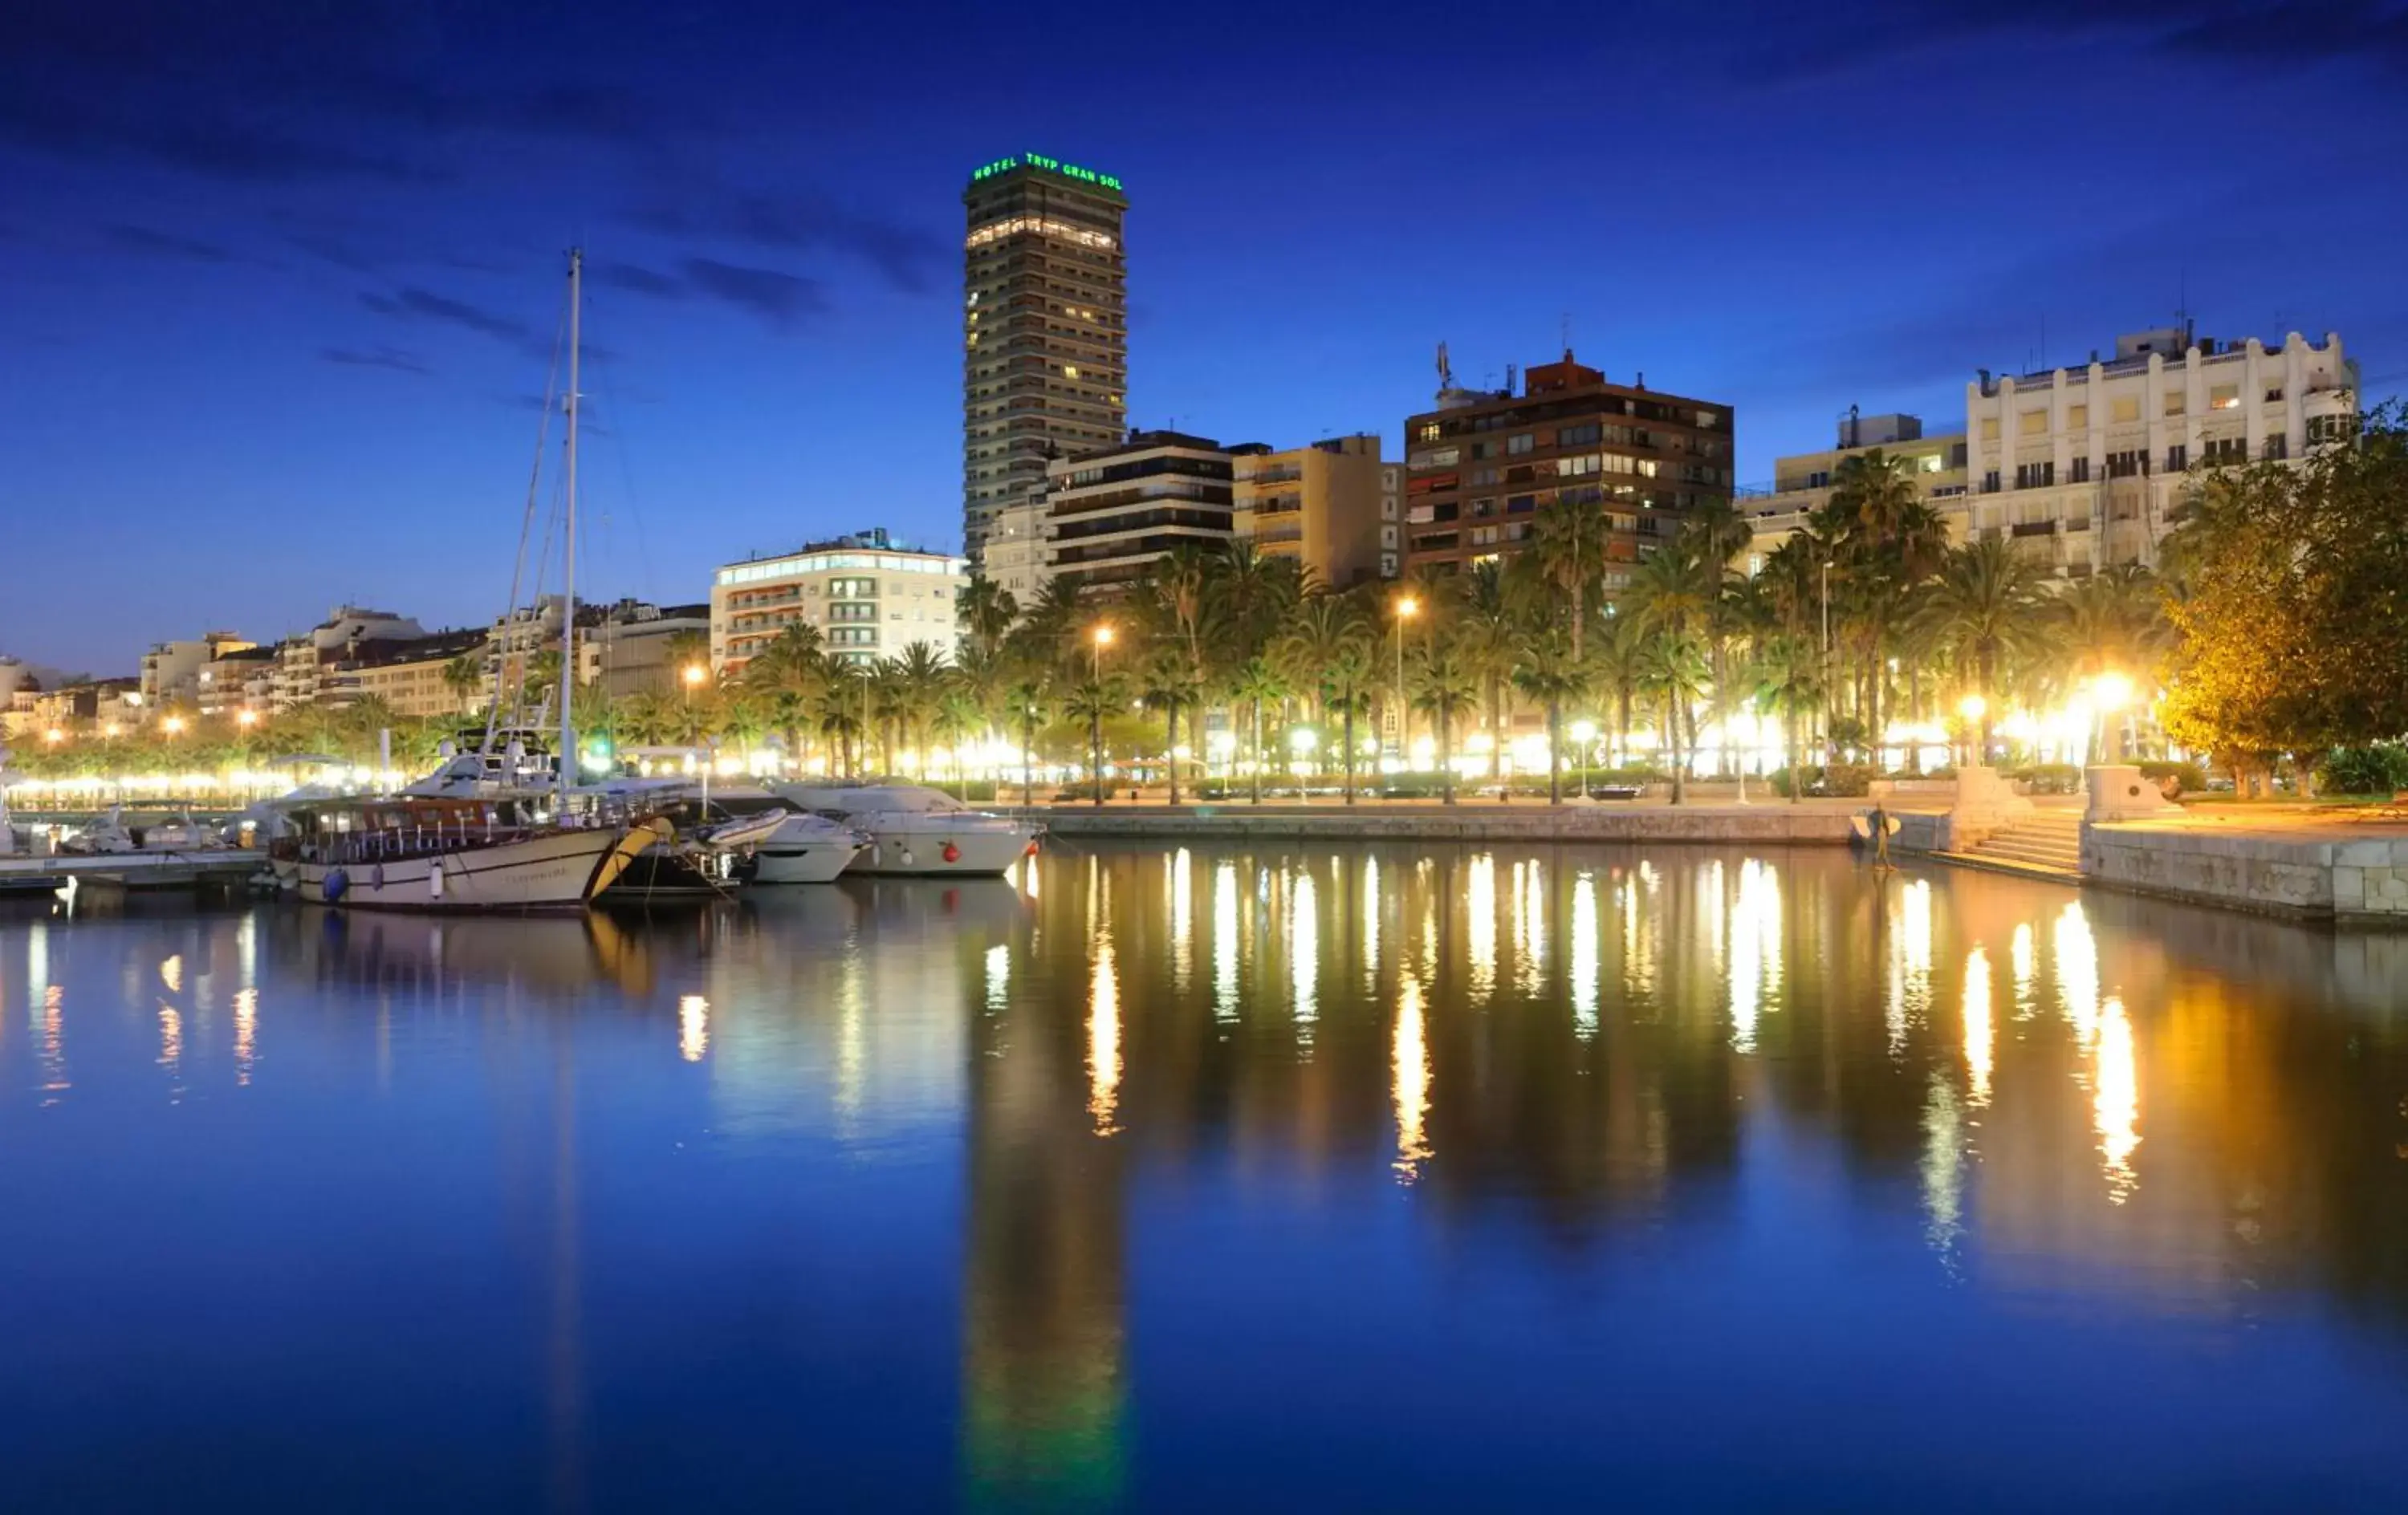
(1032, 848)
(376, 877)
(907, 857)
(952, 853)
(336, 881)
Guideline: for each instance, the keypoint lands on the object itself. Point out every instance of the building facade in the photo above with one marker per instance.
(411, 676)
(2084, 468)
(1481, 466)
(304, 663)
(1044, 328)
(1319, 505)
(1109, 514)
(1018, 549)
(634, 648)
(869, 598)
(171, 671)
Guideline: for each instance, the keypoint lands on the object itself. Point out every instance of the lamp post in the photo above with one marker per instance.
(1584, 737)
(2110, 692)
(1098, 640)
(1406, 607)
(1975, 709)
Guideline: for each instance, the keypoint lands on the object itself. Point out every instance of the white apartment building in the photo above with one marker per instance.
(869, 598)
(2085, 467)
(1016, 549)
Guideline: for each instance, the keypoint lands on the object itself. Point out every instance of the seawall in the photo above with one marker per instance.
(1755, 825)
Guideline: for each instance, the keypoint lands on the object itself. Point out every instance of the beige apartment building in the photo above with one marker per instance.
(869, 597)
(1319, 504)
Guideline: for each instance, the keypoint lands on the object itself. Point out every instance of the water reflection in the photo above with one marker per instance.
(1157, 1145)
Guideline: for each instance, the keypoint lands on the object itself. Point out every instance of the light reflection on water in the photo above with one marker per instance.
(1007, 1193)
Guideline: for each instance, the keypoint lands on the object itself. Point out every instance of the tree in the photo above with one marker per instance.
(1091, 700)
(1548, 673)
(2291, 589)
(1169, 683)
(1985, 607)
(1568, 551)
(1024, 702)
(1444, 685)
(985, 612)
(1674, 669)
(1615, 664)
(462, 677)
(1259, 683)
(1328, 649)
(1789, 678)
(921, 680)
(1489, 627)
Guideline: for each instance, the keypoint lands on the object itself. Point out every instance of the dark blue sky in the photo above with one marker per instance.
(276, 279)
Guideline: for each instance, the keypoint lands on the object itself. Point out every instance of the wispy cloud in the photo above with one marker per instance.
(412, 303)
(906, 256)
(779, 298)
(380, 357)
(150, 243)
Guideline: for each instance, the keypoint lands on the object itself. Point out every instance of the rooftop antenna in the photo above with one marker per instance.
(1445, 369)
(1564, 324)
(2182, 304)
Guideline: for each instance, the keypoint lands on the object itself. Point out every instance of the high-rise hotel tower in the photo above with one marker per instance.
(1044, 328)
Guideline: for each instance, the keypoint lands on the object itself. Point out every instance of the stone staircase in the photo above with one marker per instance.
(2048, 841)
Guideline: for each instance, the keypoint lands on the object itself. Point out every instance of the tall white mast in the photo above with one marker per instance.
(567, 760)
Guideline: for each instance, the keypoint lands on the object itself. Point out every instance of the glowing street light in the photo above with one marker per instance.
(173, 725)
(54, 735)
(1976, 711)
(694, 675)
(2110, 692)
(1406, 607)
(1972, 706)
(1584, 737)
(246, 719)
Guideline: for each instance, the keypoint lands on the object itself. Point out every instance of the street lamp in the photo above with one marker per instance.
(54, 735)
(246, 719)
(1584, 735)
(1100, 638)
(1976, 710)
(1406, 607)
(2110, 692)
(173, 725)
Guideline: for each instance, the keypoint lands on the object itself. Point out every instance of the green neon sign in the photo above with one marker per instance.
(1055, 166)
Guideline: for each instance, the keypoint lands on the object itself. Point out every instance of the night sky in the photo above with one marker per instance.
(277, 281)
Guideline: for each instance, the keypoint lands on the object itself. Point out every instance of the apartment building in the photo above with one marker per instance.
(171, 671)
(1318, 505)
(1110, 513)
(869, 596)
(1481, 464)
(2084, 468)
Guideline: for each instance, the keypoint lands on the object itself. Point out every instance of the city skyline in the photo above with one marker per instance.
(276, 320)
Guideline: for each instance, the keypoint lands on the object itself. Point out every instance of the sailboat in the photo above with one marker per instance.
(506, 845)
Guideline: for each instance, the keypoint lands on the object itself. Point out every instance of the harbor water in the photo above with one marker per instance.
(1207, 1178)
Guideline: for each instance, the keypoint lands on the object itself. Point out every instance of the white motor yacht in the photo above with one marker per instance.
(807, 848)
(915, 830)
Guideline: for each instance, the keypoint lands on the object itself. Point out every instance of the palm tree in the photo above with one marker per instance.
(462, 677)
(1025, 701)
(985, 611)
(1985, 607)
(1788, 677)
(1674, 668)
(1259, 681)
(1615, 663)
(921, 680)
(1444, 684)
(1568, 550)
(1328, 649)
(1548, 673)
(646, 720)
(1092, 699)
(959, 716)
(1489, 627)
(1168, 684)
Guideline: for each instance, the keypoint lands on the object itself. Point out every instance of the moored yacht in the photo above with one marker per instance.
(915, 830)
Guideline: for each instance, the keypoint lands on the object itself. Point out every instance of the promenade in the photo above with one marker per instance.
(1771, 822)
